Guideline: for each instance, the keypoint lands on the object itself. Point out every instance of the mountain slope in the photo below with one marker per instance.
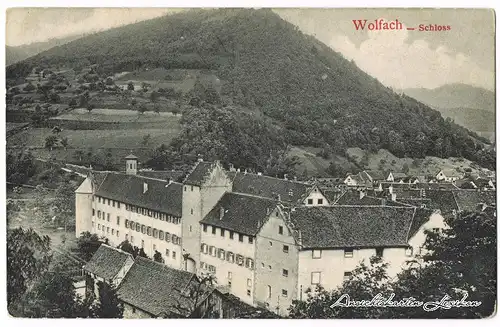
(18, 53)
(455, 96)
(265, 64)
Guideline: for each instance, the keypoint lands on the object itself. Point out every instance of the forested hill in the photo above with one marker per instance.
(314, 95)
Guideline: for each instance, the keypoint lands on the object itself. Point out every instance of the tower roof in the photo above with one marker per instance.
(131, 156)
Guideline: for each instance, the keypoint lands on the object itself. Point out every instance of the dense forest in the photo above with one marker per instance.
(313, 95)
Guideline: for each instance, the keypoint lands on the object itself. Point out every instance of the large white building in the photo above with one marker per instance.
(266, 240)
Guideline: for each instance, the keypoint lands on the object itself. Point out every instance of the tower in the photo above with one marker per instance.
(131, 164)
(83, 207)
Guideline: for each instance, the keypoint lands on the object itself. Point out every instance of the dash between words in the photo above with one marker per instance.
(381, 25)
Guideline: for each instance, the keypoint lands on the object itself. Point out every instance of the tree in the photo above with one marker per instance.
(194, 300)
(141, 253)
(127, 247)
(109, 81)
(50, 141)
(406, 168)
(28, 257)
(87, 244)
(157, 257)
(65, 202)
(130, 86)
(146, 139)
(29, 87)
(108, 304)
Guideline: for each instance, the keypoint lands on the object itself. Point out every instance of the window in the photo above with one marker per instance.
(315, 278)
(379, 252)
(240, 237)
(192, 188)
(99, 226)
(284, 293)
(229, 275)
(285, 248)
(107, 230)
(269, 291)
(222, 254)
(126, 237)
(112, 231)
(231, 235)
(109, 202)
(185, 188)
(154, 247)
(143, 229)
(167, 252)
(126, 223)
(118, 204)
(155, 233)
(132, 239)
(309, 201)
(222, 232)
(118, 220)
(250, 239)
(249, 263)
(214, 230)
(133, 309)
(173, 254)
(117, 233)
(93, 224)
(270, 243)
(409, 251)
(280, 230)
(204, 248)
(142, 244)
(149, 231)
(99, 199)
(174, 239)
(316, 254)
(190, 228)
(348, 253)
(230, 257)
(167, 237)
(109, 217)
(270, 267)
(320, 201)
(204, 228)
(93, 212)
(191, 210)
(249, 282)
(249, 292)
(114, 203)
(212, 251)
(99, 214)
(347, 275)
(285, 272)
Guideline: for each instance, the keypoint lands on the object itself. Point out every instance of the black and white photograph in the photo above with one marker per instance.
(250, 163)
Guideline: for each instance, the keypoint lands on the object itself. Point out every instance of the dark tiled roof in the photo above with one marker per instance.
(467, 200)
(332, 195)
(442, 200)
(154, 287)
(353, 226)
(269, 187)
(107, 262)
(242, 213)
(242, 310)
(160, 195)
(200, 171)
(377, 175)
(421, 217)
(398, 175)
(166, 175)
(131, 156)
(354, 198)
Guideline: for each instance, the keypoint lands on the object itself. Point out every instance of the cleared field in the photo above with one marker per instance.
(117, 138)
(118, 115)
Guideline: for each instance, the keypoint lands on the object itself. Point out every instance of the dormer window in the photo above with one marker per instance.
(348, 253)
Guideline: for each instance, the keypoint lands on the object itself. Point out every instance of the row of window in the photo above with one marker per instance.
(107, 230)
(227, 256)
(143, 211)
(105, 216)
(311, 201)
(222, 231)
(349, 252)
(156, 233)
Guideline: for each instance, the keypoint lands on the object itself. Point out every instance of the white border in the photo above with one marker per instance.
(5, 320)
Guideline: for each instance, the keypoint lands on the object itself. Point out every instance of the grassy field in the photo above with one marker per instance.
(119, 115)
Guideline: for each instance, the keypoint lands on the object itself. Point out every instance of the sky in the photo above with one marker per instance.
(399, 58)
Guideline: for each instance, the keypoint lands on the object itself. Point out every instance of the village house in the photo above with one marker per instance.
(449, 175)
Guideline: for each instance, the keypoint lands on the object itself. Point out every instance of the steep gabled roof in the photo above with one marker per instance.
(107, 262)
(443, 200)
(354, 198)
(269, 187)
(398, 175)
(450, 173)
(376, 175)
(160, 195)
(242, 213)
(467, 200)
(200, 171)
(353, 226)
(165, 175)
(155, 288)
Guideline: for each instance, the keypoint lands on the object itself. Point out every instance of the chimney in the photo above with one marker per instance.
(393, 196)
(221, 213)
(361, 194)
(145, 188)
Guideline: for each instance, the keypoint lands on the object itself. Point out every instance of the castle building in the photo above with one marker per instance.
(266, 240)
